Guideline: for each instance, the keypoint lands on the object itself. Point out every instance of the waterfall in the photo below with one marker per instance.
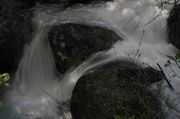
(38, 91)
(35, 78)
(38, 88)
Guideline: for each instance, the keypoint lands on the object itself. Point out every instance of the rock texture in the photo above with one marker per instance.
(73, 43)
(16, 28)
(15, 32)
(31, 3)
(114, 90)
(173, 24)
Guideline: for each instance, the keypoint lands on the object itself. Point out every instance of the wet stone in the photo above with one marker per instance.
(78, 43)
(117, 90)
(173, 26)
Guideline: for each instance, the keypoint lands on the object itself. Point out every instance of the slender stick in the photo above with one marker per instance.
(138, 50)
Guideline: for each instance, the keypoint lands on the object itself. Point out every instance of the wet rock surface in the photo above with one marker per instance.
(73, 43)
(15, 32)
(114, 90)
(67, 3)
(16, 29)
(173, 24)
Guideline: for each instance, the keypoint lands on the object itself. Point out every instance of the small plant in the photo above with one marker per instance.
(4, 80)
(176, 60)
(124, 117)
(172, 62)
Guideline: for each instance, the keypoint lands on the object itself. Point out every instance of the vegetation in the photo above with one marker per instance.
(175, 58)
(119, 117)
(4, 82)
(173, 63)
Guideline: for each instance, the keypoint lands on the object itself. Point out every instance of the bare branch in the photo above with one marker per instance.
(139, 45)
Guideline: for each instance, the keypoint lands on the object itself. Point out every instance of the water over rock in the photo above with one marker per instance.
(173, 24)
(116, 90)
(15, 32)
(73, 43)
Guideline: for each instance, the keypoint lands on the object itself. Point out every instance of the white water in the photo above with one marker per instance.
(37, 89)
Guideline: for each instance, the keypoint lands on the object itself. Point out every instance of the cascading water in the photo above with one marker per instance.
(39, 91)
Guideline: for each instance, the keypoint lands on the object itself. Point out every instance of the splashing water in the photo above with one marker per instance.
(39, 91)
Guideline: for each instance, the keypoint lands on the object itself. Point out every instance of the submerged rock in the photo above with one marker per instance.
(116, 90)
(173, 24)
(73, 43)
(15, 32)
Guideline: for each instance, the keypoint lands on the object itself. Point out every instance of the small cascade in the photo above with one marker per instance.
(39, 92)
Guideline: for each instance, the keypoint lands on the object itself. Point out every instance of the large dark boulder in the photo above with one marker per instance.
(173, 26)
(66, 3)
(73, 43)
(15, 32)
(13, 5)
(116, 90)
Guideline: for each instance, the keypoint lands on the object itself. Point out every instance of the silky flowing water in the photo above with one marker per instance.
(40, 92)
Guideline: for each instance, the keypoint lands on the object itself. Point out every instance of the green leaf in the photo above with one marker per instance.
(5, 74)
(177, 56)
(5, 79)
(7, 85)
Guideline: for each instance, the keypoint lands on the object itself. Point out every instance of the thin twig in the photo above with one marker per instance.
(139, 46)
(60, 106)
(162, 6)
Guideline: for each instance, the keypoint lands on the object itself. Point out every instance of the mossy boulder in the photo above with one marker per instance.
(116, 90)
(73, 43)
(173, 26)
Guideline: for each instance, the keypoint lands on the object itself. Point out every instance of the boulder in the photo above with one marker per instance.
(13, 4)
(173, 26)
(15, 32)
(73, 43)
(31, 3)
(116, 90)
